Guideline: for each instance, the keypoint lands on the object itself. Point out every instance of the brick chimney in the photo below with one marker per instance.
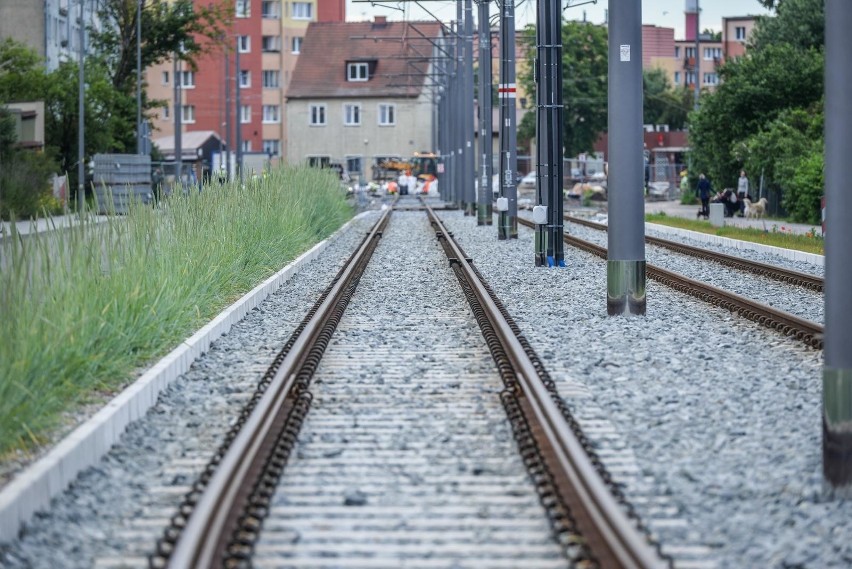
(381, 20)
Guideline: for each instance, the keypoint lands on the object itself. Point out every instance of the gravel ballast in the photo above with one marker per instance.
(721, 417)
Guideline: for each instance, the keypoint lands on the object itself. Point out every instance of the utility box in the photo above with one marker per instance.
(120, 179)
(717, 214)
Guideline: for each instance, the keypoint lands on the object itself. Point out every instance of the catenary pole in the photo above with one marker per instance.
(459, 193)
(837, 370)
(483, 200)
(548, 242)
(507, 223)
(467, 113)
(81, 116)
(626, 235)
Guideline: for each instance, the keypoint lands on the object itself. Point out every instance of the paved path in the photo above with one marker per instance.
(41, 225)
(676, 209)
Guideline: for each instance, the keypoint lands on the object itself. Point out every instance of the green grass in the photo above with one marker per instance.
(84, 309)
(774, 236)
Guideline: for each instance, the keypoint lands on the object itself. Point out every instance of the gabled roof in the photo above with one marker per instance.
(389, 47)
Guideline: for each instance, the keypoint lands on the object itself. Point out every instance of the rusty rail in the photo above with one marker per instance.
(778, 273)
(220, 512)
(788, 324)
(610, 535)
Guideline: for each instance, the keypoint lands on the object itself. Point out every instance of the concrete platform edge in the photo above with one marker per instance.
(31, 490)
(727, 242)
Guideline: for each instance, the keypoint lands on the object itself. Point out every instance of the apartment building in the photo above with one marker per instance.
(267, 35)
(355, 97)
(50, 27)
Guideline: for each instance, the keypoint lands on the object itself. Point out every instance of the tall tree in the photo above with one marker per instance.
(168, 27)
(798, 23)
(584, 86)
(754, 91)
(662, 103)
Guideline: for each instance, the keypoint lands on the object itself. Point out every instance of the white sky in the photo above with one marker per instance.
(666, 13)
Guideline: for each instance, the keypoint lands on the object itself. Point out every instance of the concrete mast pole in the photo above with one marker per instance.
(837, 370)
(140, 136)
(468, 115)
(483, 201)
(507, 223)
(626, 235)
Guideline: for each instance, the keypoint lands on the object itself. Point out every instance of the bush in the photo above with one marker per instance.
(24, 184)
(805, 188)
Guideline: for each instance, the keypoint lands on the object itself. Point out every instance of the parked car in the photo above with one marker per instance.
(527, 182)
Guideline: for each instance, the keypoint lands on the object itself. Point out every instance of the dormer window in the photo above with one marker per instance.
(357, 71)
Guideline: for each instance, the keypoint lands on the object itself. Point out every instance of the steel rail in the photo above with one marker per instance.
(609, 533)
(213, 520)
(788, 324)
(778, 273)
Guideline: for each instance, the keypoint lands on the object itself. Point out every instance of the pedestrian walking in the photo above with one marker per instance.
(742, 191)
(704, 193)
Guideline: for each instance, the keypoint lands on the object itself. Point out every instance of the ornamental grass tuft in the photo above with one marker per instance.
(83, 309)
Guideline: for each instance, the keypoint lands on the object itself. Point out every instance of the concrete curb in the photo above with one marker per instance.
(729, 243)
(32, 489)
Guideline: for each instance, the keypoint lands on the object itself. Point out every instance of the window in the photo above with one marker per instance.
(711, 53)
(677, 51)
(188, 114)
(187, 79)
(245, 78)
(245, 114)
(271, 114)
(301, 10)
(690, 77)
(689, 52)
(247, 146)
(165, 77)
(165, 115)
(711, 79)
(243, 8)
(317, 114)
(351, 114)
(244, 44)
(387, 114)
(677, 78)
(740, 33)
(356, 71)
(353, 164)
(271, 79)
(319, 161)
(297, 44)
(271, 147)
(270, 9)
(271, 43)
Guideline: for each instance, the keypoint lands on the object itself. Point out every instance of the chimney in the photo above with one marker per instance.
(381, 20)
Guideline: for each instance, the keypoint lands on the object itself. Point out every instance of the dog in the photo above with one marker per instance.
(755, 209)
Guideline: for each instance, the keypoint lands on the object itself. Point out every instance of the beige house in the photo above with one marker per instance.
(359, 94)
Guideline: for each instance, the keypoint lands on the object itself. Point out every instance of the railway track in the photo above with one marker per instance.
(418, 475)
(798, 278)
(788, 324)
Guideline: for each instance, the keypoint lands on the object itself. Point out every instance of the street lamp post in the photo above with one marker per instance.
(81, 138)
